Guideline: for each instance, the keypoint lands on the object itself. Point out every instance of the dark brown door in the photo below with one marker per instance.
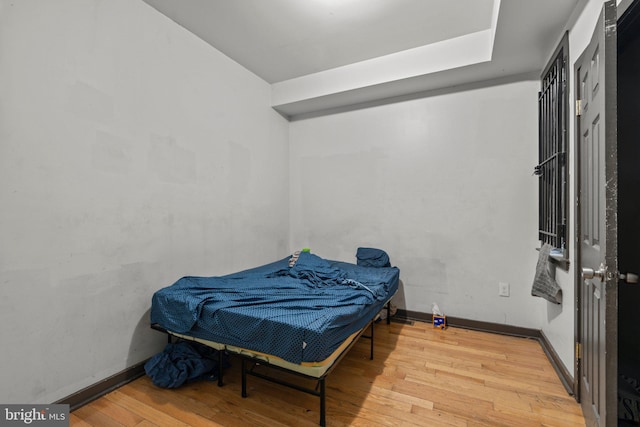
(597, 203)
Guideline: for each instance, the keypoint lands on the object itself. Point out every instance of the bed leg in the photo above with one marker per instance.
(244, 379)
(220, 362)
(371, 357)
(323, 420)
(389, 313)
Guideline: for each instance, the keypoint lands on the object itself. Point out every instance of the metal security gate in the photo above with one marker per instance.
(552, 149)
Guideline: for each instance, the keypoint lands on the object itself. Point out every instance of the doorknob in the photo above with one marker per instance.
(590, 273)
(601, 273)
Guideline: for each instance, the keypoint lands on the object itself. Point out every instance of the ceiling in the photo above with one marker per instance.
(322, 55)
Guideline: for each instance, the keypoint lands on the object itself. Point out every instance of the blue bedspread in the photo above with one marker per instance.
(300, 313)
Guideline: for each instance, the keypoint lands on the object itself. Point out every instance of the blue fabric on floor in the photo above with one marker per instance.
(182, 362)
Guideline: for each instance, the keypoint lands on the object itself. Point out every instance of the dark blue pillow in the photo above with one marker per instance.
(372, 257)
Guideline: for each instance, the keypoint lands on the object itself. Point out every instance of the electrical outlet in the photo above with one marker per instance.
(503, 289)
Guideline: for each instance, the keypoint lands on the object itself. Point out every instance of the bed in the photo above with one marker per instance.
(300, 314)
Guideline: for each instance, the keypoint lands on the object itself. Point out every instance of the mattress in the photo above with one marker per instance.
(299, 314)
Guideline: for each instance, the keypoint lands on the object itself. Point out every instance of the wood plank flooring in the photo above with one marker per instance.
(420, 376)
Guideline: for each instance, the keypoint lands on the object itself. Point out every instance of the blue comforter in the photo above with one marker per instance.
(299, 313)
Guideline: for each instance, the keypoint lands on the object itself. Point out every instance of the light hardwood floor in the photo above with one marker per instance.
(420, 376)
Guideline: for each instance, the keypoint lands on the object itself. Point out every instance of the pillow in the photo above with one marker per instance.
(372, 257)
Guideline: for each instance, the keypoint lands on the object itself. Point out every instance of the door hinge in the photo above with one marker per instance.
(578, 107)
(578, 351)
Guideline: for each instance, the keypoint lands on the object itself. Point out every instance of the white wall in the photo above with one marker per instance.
(131, 153)
(444, 184)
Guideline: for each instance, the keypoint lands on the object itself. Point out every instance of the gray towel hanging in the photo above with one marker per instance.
(544, 285)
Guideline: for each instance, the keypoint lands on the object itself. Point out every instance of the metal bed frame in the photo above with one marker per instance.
(249, 365)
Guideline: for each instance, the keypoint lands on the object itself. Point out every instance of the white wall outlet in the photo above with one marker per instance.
(503, 289)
